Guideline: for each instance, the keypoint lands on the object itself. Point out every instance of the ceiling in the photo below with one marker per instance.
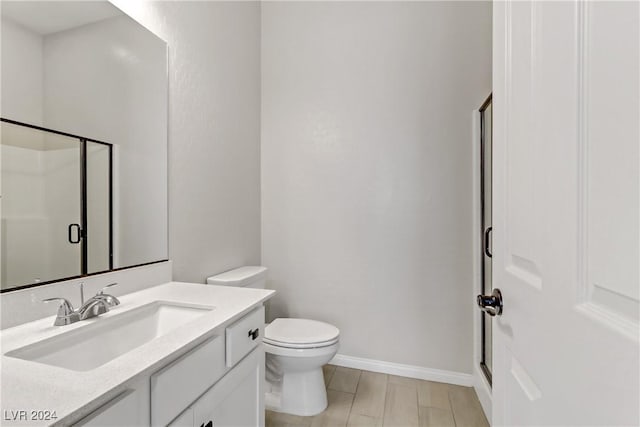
(47, 17)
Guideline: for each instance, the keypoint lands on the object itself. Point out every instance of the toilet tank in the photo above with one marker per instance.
(249, 276)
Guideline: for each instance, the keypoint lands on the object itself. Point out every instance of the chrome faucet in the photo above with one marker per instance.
(94, 306)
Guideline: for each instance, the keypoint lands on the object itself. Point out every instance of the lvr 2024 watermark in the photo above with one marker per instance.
(28, 415)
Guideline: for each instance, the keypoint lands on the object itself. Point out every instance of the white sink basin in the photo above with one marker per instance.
(89, 347)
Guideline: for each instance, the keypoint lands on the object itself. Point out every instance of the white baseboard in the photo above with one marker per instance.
(419, 372)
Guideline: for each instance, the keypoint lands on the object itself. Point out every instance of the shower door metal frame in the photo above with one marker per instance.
(483, 316)
(84, 249)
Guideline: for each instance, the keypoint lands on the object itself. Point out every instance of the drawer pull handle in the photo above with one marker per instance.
(254, 334)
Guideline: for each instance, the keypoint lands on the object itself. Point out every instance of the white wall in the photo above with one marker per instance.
(214, 131)
(366, 171)
(22, 78)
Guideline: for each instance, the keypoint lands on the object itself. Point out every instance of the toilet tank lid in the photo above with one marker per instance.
(239, 276)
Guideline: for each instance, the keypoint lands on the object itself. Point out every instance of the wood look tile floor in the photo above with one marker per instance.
(363, 398)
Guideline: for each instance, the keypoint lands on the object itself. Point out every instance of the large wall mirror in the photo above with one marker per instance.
(83, 142)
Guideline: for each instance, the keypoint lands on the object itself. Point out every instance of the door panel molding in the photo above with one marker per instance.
(522, 240)
(607, 281)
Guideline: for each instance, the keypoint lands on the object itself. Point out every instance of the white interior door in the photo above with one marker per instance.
(565, 213)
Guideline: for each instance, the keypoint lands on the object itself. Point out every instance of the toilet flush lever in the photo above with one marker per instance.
(254, 334)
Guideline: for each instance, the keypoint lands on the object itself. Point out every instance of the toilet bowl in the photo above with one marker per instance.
(296, 350)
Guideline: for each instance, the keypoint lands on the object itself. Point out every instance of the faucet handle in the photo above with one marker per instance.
(101, 292)
(66, 314)
(65, 308)
(111, 300)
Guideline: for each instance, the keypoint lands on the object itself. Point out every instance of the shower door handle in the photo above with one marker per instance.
(487, 233)
(78, 236)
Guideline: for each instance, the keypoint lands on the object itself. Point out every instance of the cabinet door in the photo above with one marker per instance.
(237, 399)
(177, 385)
(130, 408)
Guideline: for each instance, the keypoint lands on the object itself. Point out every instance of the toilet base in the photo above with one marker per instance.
(300, 393)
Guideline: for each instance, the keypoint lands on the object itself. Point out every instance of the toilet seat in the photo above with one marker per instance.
(299, 346)
(301, 353)
(300, 333)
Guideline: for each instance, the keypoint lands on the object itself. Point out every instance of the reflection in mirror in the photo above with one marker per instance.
(40, 199)
(84, 142)
(99, 237)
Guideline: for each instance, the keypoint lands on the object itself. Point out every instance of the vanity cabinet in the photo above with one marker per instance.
(218, 383)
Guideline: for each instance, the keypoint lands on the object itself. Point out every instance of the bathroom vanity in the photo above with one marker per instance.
(175, 354)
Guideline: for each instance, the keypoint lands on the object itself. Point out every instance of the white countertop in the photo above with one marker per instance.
(27, 385)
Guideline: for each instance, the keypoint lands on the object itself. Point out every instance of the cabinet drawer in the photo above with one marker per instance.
(244, 335)
(177, 385)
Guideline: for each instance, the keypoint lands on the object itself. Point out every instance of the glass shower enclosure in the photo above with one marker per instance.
(56, 205)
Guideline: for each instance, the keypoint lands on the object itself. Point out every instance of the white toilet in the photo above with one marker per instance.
(296, 350)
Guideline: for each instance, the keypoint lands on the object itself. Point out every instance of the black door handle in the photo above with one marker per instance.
(209, 424)
(78, 234)
(487, 232)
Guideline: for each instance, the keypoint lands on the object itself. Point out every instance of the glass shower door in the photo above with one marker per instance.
(41, 206)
